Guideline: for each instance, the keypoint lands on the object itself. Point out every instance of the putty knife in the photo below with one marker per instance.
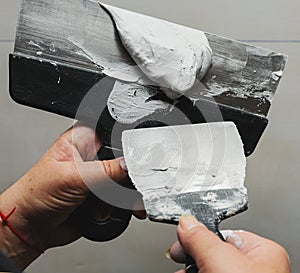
(189, 169)
(193, 169)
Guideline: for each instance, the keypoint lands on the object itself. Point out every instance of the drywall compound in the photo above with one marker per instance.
(170, 55)
(182, 159)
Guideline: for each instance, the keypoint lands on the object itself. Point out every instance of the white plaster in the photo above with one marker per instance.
(167, 210)
(170, 55)
(276, 75)
(32, 43)
(182, 159)
(129, 102)
(118, 70)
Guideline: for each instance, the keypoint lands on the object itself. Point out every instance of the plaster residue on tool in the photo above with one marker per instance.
(170, 55)
(65, 51)
(190, 169)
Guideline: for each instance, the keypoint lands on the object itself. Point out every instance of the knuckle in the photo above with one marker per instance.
(192, 234)
(280, 256)
(108, 168)
(69, 172)
(196, 231)
(283, 253)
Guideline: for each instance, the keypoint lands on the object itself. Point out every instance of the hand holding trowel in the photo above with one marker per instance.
(192, 169)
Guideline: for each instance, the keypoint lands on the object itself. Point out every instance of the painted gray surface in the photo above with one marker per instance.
(273, 171)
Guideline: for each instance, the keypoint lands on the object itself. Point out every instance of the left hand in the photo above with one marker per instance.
(48, 194)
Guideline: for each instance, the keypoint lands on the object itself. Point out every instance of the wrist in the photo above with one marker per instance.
(16, 240)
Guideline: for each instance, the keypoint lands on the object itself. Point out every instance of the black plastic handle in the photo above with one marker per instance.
(190, 266)
(100, 228)
(98, 221)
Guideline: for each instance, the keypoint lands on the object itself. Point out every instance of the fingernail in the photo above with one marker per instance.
(139, 205)
(188, 222)
(123, 165)
(168, 253)
(232, 238)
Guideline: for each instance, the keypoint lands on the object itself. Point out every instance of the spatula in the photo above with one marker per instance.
(190, 169)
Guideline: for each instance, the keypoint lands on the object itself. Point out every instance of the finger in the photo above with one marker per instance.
(208, 251)
(177, 253)
(79, 143)
(109, 182)
(259, 249)
(95, 174)
(86, 141)
(139, 209)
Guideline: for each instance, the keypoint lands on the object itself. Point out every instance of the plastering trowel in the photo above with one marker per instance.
(57, 65)
(190, 169)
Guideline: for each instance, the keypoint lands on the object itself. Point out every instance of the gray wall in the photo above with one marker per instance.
(273, 171)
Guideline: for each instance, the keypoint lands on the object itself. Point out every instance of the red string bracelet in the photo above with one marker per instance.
(15, 232)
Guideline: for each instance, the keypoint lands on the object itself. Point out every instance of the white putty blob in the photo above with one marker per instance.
(129, 102)
(170, 55)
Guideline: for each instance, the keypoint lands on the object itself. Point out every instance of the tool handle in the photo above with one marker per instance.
(94, 227)
(190, 266)
(99, 228)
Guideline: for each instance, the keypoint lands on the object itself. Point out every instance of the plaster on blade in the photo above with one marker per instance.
(191, 169)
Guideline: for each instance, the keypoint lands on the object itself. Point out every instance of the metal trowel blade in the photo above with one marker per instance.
(191, 169)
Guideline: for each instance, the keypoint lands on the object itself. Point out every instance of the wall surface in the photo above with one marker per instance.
(273, 171)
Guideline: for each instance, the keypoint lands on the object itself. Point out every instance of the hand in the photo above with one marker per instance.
(48, 194)
(243, 252)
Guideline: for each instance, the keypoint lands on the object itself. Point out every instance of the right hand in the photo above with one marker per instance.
(243, 252)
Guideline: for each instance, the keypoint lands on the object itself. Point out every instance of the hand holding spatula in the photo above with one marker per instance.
(242, 252)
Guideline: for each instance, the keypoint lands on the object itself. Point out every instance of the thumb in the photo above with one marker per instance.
(109, 181)
(95, 174)
(209, 252)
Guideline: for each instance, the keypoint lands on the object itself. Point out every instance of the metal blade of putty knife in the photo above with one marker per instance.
(190, 169)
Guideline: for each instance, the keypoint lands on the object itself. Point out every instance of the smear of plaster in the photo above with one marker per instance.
(198, 157)
(121, 71)
(166, 54)
(170, 55)
(130, 102)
